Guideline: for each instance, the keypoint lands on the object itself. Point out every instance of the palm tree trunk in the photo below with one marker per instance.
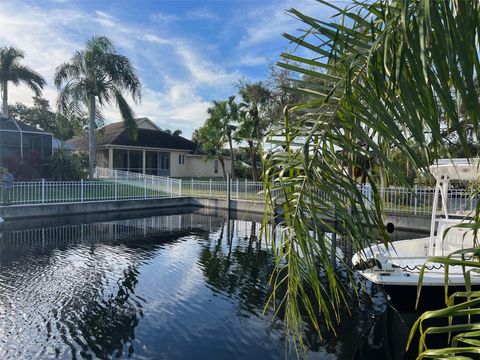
(91, 136)
(4, 100)
(232, 157)
(222, 162)
(253, 160)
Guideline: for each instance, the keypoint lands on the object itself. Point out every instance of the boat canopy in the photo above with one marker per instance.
(456, 169)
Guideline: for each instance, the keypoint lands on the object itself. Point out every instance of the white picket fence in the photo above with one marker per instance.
(51, 192)
(239, 189)
(122, 185)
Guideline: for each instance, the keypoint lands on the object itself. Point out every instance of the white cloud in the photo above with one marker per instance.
(253, 60)
(163, 18)
(261, 29)
(154, 39)
(202, 71)
(180, 107)
(202, 14)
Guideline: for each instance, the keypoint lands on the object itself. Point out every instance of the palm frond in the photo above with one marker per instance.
(378, 77)
(31, 78)
(127, 114)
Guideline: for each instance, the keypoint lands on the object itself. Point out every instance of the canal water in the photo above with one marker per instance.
(188, 285)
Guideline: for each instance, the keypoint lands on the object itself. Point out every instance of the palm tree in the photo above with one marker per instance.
(388, 73)
(210, 142)
(253, 125)
(177, 132)
(12, 71)
(226, 113)
(97, 74)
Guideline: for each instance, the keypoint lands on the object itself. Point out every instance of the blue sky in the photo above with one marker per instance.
(187, 53)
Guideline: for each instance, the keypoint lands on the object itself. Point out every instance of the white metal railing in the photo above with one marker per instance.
(419, 200)
(48, 192)
(124, 185)
(239, 189)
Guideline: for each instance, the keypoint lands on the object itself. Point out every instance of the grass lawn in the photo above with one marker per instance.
(92, 191)
(56, 192)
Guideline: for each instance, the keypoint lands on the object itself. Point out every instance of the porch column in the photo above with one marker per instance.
(110, 158)
(144, 160)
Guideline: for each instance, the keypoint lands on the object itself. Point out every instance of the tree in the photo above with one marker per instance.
(177, 132)
(41, 115)
(97, 74)
(225, 114)
(12, 71)
(211, 144)
(253, 119)
(388, 72)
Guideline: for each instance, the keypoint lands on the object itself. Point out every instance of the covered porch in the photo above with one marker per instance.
(145, 161)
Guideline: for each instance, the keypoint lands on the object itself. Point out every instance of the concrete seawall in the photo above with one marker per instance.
(52, 210)
(48, 210)
(401, 222)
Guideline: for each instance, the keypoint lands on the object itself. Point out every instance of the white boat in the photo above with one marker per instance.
(397, 265)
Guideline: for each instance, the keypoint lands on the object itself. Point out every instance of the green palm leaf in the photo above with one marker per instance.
(379, 78)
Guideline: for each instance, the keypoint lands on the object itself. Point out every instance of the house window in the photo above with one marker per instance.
(215, 166)
(164, 160)
(181, 159)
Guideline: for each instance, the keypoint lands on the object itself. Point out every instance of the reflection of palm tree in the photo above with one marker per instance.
(107, 326)
(241, 271)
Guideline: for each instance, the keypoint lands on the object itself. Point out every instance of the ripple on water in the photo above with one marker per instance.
(171, 287)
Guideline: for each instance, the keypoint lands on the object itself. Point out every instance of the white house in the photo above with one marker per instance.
(153, 152)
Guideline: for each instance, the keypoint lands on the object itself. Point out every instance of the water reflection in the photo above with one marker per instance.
(241, 269)
(165, 286)
(170, 286)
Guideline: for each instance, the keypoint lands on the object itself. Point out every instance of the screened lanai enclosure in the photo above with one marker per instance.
(19, 140)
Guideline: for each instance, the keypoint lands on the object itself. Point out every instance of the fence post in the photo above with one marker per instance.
(144, 187)
(415, 201)
(237, 189)
(180, 187)
(81, 190)
(116, 187)
(228, 191)
(245, 189)
(210, 195)
(191, 186)
(43, 191)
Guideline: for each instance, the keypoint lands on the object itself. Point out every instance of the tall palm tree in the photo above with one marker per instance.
(253, 125)
(97, 74)
(12, 71)
(226, 112)
(389, 70)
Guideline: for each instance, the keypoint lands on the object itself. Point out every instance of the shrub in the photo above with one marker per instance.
(65, 165)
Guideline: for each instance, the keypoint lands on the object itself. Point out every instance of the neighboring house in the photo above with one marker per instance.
(153, 152)
(18, 139)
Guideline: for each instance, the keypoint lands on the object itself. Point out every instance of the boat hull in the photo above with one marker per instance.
(404, 298)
